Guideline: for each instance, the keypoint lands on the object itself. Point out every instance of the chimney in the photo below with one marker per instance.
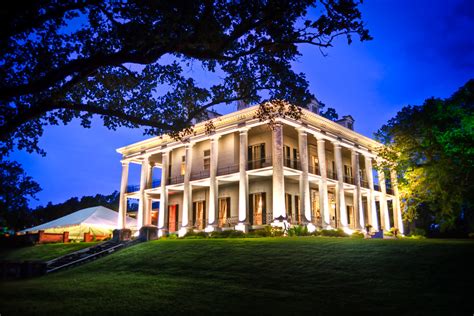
(313, 106)
(241, 104)
(347, 121)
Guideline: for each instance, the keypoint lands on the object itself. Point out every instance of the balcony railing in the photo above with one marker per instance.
(377, 187)
(259, 163)
(332, 175)
(364, 184)
(175, 180)
(389, 190)
(156, 184)
(200, 175)
(348, 179)
(228, 169)
(294, 164)
(313, 170)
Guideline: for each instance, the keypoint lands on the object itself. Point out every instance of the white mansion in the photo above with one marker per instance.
(312, 172)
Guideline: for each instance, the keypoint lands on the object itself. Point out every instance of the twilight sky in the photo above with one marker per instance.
(421, 48)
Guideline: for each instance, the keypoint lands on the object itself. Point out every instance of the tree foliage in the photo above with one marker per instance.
(130, 62)
(432, 148)
(15, 188)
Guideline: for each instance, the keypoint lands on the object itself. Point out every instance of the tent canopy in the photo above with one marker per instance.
(98, 217)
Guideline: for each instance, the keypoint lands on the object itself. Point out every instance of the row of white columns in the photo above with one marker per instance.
(144, 213)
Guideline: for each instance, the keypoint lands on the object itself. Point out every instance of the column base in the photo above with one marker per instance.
(183, 231)
(283, 224)
(148, 233)
(311, 227)
(242, 227)
(121, 234)
(212, 228)
(162, 232)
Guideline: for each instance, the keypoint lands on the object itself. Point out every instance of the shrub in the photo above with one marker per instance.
(417, 233)
(221, 234)
(173, 236)
(357, 234)
(195, 235)
(236, 234)
(333, 233)
(298, 230)
(470, 235)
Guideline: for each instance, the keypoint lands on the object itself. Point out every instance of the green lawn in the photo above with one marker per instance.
(43, 252)
(260, 276)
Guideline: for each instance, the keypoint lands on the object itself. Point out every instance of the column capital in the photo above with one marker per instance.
(303, 130)
(244, 130)
(125, 162)
(336, 143)
(214, 137)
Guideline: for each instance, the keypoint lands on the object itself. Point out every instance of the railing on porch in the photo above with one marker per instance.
(389, 190)
(313, 170)
(228, 169)
(156, 184)
(175, 180)
(348, 179)
(364, 183)
(228, 222)
(259, 163)
(294, 164)
(317, 221)
(332, 174)
(200, 175)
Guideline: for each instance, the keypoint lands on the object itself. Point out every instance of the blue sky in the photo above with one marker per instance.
(420, 49)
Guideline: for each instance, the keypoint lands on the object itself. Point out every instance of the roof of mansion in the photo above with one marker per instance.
(246, 118)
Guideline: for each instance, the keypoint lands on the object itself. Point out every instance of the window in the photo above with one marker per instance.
(314, 164)
(287, 153)
(183, 165)
(207, 159)
(224, 210)
(256, 156)
(296, 158)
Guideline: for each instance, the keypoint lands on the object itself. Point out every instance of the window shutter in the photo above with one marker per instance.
(228, 207)
(264, 207)
(262, 152)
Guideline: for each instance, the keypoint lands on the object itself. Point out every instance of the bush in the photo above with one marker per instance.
(417, 233)
(357, 234)
(195, 235)
(470, 235)
(334, 233)
(298, 230)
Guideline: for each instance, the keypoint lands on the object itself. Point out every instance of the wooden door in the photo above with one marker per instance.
(173, 218)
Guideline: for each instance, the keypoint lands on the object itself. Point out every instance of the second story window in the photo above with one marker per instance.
(207, 159)
(183, 165)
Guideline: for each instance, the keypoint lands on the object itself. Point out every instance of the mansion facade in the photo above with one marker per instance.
(246, 174)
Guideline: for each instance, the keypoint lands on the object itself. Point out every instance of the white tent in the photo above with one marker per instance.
(97, 220)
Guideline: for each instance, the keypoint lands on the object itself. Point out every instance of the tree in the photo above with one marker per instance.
(432, 148)
(129, 62)
(15, 188)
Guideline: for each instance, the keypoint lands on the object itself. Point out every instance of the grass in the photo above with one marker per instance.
(43, 252)
(259, 276)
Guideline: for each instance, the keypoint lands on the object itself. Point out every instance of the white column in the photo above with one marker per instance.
(122, 214)
(243, 182)
(396, 202)
(323, 184)
(305, 208)
(357, 197)
(142, 203)
(340, 198)
(163, 194)
(278, 176)
(213, 185)
(371, 208)
(187, 192)
(383, 201)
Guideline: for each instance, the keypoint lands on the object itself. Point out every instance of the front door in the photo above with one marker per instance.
(199, 214)
(258, 208)
(173, 218)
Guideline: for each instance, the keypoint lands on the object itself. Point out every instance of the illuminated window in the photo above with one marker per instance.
(183, 165)
(207, 159)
